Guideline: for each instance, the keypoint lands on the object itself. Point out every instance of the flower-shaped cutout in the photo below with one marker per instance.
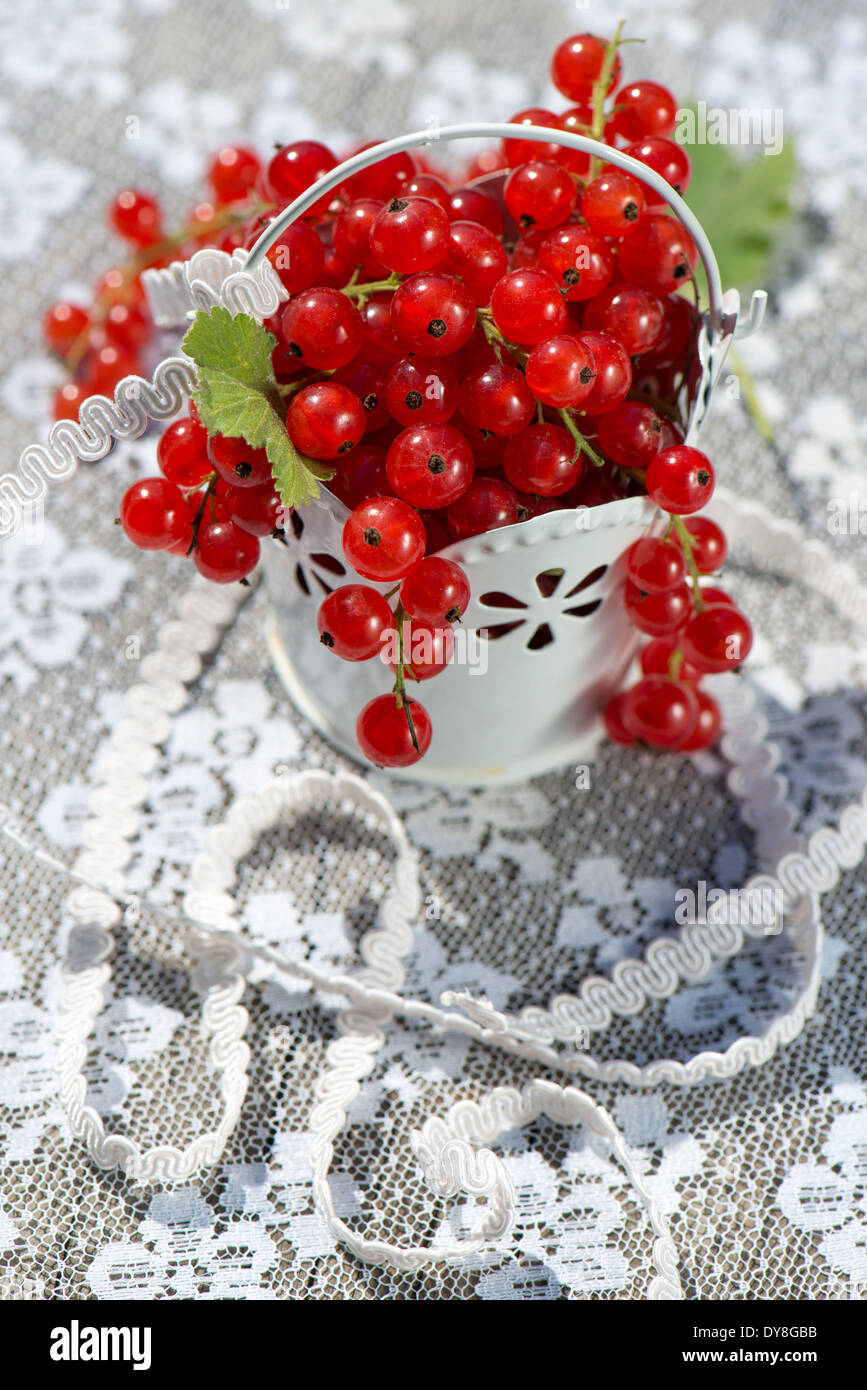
(540, 612)
(315, 570)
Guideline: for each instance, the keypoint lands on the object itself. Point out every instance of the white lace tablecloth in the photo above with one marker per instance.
(763, 1178)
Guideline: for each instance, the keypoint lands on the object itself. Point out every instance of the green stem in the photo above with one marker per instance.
(675, 661)
(600, 91)
(581, 443)
(401, 698)
(751, 398)
(371, 287)
(685, 537)
(290, 387)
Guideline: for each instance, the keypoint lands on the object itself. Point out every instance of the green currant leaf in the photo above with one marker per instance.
(237, 396)
(743, 205)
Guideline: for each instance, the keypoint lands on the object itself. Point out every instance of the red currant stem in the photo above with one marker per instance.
(363, 291)
(600, 91)
(290, 387)
(675, 661)
(581, 443)
(197, 519)
(540, 412)
(659, 405)
(395, 589)
(353, 279)
(685, 537)
(400, 672)
(750, 398)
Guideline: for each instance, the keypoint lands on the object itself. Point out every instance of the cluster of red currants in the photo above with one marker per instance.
(465, 362)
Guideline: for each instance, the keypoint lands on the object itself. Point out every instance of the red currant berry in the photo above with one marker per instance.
(560, 371)
(613, 373)
(435, 591)
(427, 650)
(366, 380)
(63, 324)
(612, 717)
(336, 270)
(233, 172)
(577, 120)
(656, 660)
(711, 594)
(182, 453)
(325, 419)
(428, 186)
(136, 216)
(127, 327)
(680, 480)
(612, 204)
(298, 257)
(517, 151)
(543, 459)
(258, 510)
(421, 391)
(527, 306)
(410, 235)
(661, 712)
(665, 158)
(382, 179)
(433, 314)
(486, 505)
(630, 434)
(104, 367)
(236, 462)
(360, 475)
(498, 399)
(383, 538)
(678, 326)
(323, 328)
(430, 466)
(718, 638)
(68, 400)
(478, 257)
(708, 725)
(352, 622)
(471, 205)
(118, 286)
(224, 553)
(295, 167)
(379, 341)
(578, 260)
(577, 65)
(658, 255)
(351, 237)
(658, 614)
(644, 108)
(154, 514)
(539, 194)
(629, 314)
(655, 565)
(383, 732)
(709, 547)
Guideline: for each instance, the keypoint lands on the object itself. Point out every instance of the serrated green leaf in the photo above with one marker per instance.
(238, 396)
(743, 205)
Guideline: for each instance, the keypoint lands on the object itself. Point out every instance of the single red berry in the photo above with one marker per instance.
(711, 594)
(258, 510)
(471, 205)
(383, 538)
(421, 391)
(543, 459)
(323, 328)
(435, 591)
(661, 712)
(428, 186)
(665, 158)
(182, 453)
(577, 65)
(295, 167)
(433, 314)
(486, 505)
(560, 371)
(613, 719)
(236, 462)
(498, 399)
(430, 466)
(68, 400)
(518, 151)
(104, 367)
(478, 257)
(540, 194)
(527, 306)
(709, 547)
(644, 108)
(353, 621)
(351, 237)
(655, 565)
(613, 373)
(136, 216)
(613, 204)
(155, 514)
(62, 324)
(656, 660)
(708, 725)
(630, 434)
(361, 474)
(678, 327)
(410, 235)
(127, 327)
(383, 731)
(578, 120)
(631, 315)
(118, 286)
(367, 381)
(488, 449)
(427, 649)
(379, 342)
(325, 419)
(298, 257)
(224, 553)
(580, 262)
(716, 639)
(680, 480)
(233, 172)
(658, 255)
(382, 179)
(658, 614)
